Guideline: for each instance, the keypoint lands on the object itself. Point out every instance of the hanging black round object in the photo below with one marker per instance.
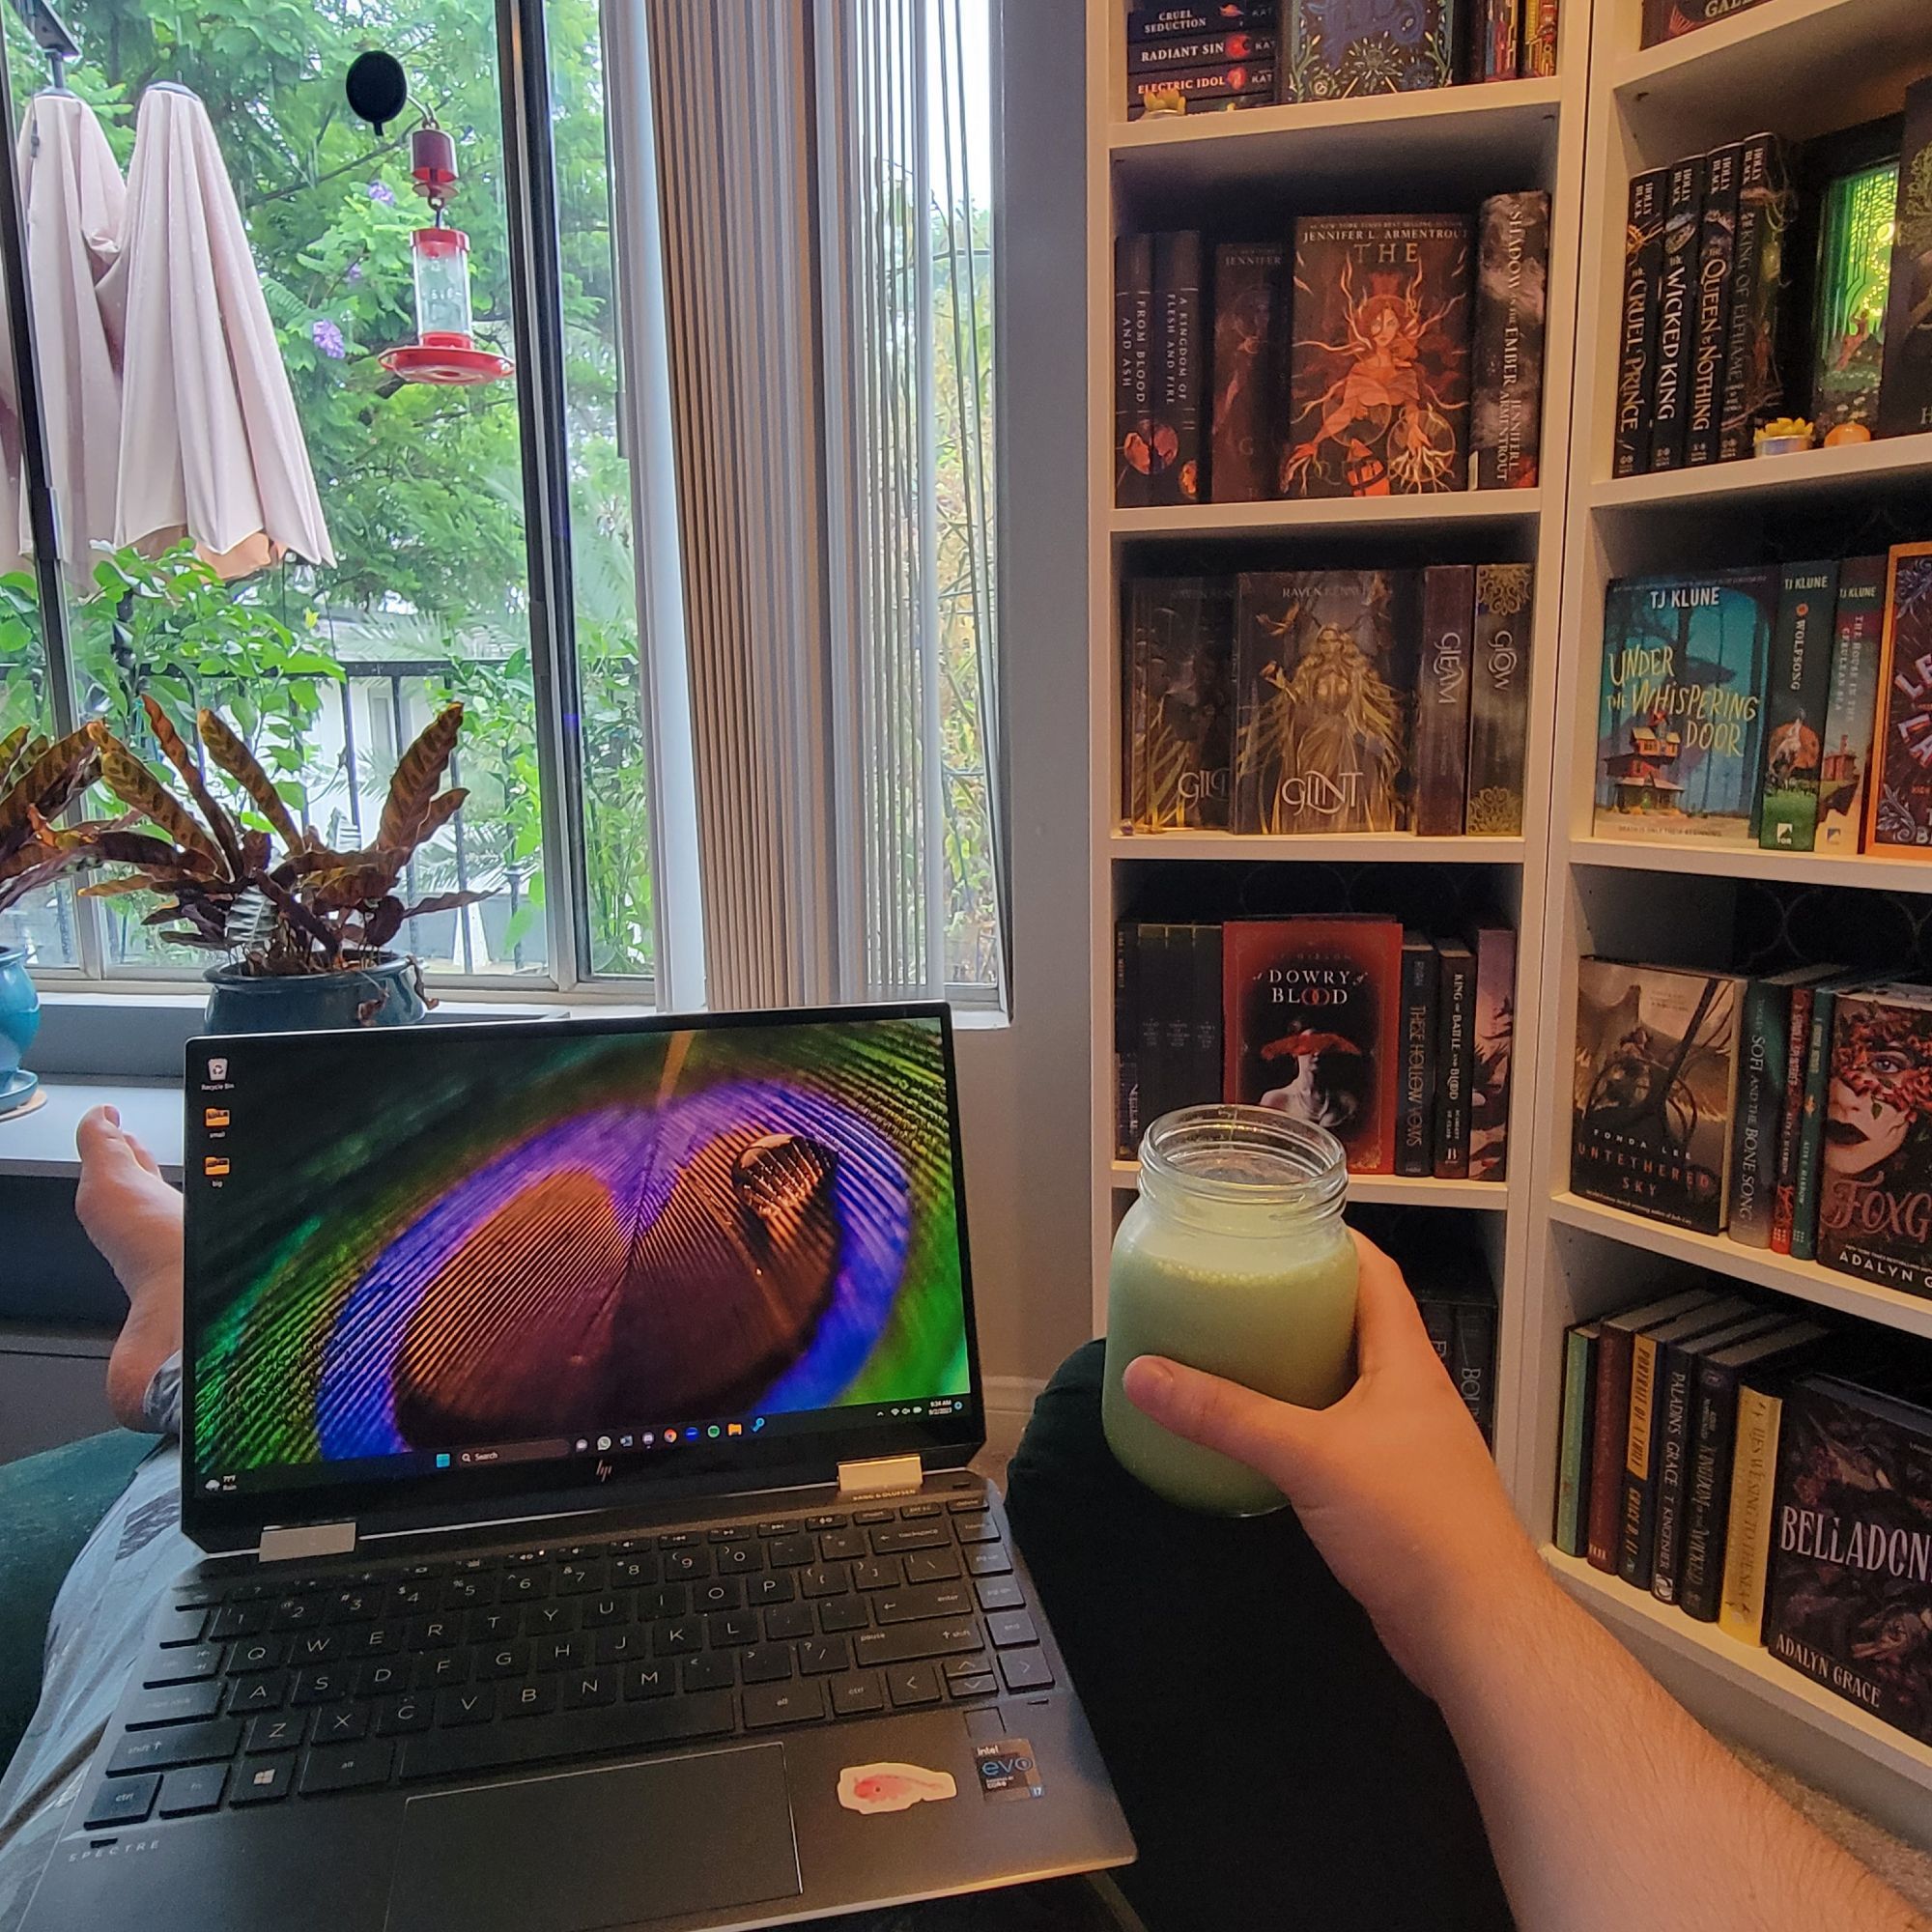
(376, 88)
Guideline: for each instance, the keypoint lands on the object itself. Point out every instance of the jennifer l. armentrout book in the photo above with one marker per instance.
(1506, 382)
(1795, 698)
(1899, 801)
(1250, 310)
(1846, 766)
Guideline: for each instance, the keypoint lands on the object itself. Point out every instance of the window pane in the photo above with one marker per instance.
(43, 923)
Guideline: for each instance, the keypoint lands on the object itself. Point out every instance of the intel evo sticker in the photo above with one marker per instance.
(1007, 1771)
(892, 1787)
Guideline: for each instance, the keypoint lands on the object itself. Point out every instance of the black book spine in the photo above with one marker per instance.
(1474, 1364)
(1157, 22)
(1416, 1124)
(1905, 394)
(1203, 1016)
(1443, 687)
(1127, 1039)
(1717, 262)
(1133, 368)
(1455, 1059)
(1700, 1583)
(1753, 379)
(1182, 53)
(1636, 1521)
(1636, 338)
(1179, 368)
(1677, 1393)
(1676, 315)
(1760, 1106)
(1150, 1008)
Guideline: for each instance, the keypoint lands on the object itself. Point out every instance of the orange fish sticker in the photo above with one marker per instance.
(892, 1787)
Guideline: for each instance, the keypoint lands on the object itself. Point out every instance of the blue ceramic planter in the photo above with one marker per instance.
(383, 995)
(20, 1022)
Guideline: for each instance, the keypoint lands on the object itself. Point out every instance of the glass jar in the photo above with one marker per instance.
(1233, 1260)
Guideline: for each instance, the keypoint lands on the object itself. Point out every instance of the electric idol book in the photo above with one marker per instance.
(1180, 703)
(1312, 1026)
(1654, 1087)
(1898, 801)
(1680, 734)
(1339, 47)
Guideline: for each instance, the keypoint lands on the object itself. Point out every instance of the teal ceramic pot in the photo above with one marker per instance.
(383, 995)
(20, 1022)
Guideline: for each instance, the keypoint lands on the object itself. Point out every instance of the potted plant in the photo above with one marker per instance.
(306, 928)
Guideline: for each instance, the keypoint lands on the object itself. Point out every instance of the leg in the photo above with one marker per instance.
(1276, 1766)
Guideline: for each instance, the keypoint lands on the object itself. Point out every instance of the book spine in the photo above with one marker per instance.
(1442, 700)
(1154, 998)
(1133, 376)
(1809, 1175)
(1905, 392)
(1206, 17)
(1179, 52)
(1637, 330)
(1455, 1027)
(1140, 599)
(1473, 1363)
(1716, 257)
(1678, 1394)
(1797, 693)
(1500, 700)
(1676, 315)
(1176, 417)
(1791, 1118)
(1762, 1034)
(1580, 1345)
(1245, 84)
(1502, 40)
(1127, 1039)
(1506, 359)
(1849, 711)
(1203, 1016)
(1747, 1536)
(1609, 1421)
(1415, 1125)
(1636, 1514)
(1244, 453)
(1540, 23)
(1708, 1493)
(1754, 382)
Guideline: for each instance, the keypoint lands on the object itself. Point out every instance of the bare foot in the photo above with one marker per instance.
(134, 1218)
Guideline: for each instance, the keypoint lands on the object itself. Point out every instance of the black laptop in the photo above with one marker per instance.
(577, 1422)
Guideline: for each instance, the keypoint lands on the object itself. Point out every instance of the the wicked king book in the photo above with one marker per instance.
(1324, 672)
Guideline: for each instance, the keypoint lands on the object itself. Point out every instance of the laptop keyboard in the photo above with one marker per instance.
(262, 1690)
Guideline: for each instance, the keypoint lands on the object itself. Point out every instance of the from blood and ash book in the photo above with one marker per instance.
(1854, 280)
(1180, 635)
(1850, 703)
(1492, 1053)
(1667, 19)
(1250, 312)
(1415, 1117)
(1500, 698)
(1324, 672)
(1180, 368)
(1796, 698)
(1313, 1007)
(1716, 257)
(1905, 393)
(1379, 374)
(1442, 682)
(1341, 47)
(1676, 313)
(1899, 801)
(1506, 377)
(1680, 742)
(1638, 319)
(1654, 1090)
(1753, 364)
(1133, 368)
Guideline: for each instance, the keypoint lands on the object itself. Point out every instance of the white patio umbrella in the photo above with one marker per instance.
(211, 447)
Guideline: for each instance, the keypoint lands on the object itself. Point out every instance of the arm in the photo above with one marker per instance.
(1606, 1804)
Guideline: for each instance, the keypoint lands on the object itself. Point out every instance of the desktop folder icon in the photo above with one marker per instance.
(214, 1164)
(215, 1116)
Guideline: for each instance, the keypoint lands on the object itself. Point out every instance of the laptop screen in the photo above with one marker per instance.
(606, 1248)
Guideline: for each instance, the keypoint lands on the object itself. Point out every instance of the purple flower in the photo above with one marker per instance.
(353, 273)
(381, 191)
(327, 337)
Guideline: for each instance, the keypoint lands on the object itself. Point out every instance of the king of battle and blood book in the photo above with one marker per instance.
(1676, 313)
(1854, 279)
(1753, 367)
(1679, 739)
(1795, 702)
(1851, 702)
(1506, 382)
(1500, 698)
(1379, 373)
(1250, 316)
(1455, 1056)
(1849, 1596)
(1495, 1042)
(1898, 803)
(1311, 1027)
(1654, 1090)
(1637, 320)
(1667, 19)
(1181, 636)
(1341, 47)
(1324, 674)
(1905, 394)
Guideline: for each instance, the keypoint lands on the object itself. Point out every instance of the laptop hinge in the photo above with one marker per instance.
(306, 1539)
(882, 1476)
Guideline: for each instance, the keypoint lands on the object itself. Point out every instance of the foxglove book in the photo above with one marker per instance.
(1898, 807)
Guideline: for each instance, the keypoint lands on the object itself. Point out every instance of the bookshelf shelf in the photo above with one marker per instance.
(1398, 1190)
(1453, 510)
(1868, 873)
(1854, 470)
(1337, 848)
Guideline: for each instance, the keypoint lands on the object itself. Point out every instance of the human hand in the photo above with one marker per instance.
(1394, 1483)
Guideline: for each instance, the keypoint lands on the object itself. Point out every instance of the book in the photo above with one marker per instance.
(1492, 1053)
(1854, 279)
(1133, 368)
(1637, 320)
(1573, 1463)
(1206, 90)
(1180, 697)
(1163, 1034)
(1765, 1034)
(1610, 1419)
(1311, 1011)
(1815, 1130)
(1710, 333)
(1339, 47)
(1379, 374)
(1455, 1056)
(1905, 389)
(1655, 1088)
(1173, 53)
(1128, 1120)
(1720, 1376)
(1541, 20)
(1850, 703)
(1207, 1069)
(1848, 1599)
(1442, 686)
(1898, 801)
(1415, 1119)
(1796, 694)
(1174, 475)
(1666, 19)
(1177, 19)
(1754, 366)
(1801, 1008)
(1461, 1327)
(1680, 743)
(1324, 674)
(1748, 1530)
(1676, 313)
(1250, 313)
(1875, 1205)
(1498, 39)
(1506, 365)
(1500, 698)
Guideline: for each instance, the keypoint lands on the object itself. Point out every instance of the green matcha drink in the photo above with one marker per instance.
(1233, 1260)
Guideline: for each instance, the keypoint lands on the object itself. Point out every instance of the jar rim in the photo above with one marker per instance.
(1251, 1156)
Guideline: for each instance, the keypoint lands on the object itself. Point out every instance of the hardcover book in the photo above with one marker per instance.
(1127, 1122)
(1898, 803)
(1572, 1468)
(1753, 368)
(1442, 700)
(1666, 19)
(1815, 1130)
(1324, 672)
(1250, 312)
(1849, 1596)
(1455, 1056)
(1854, 280)
(1181, 695)
(1133, 368)
(1764, 1034)
(1655, 1085)
(1680, 741)
(1462, 1328)
(1905, 393)
(1415, 1119)
(1506, 384)
(1489, 1061)
(1753, 1486)
(1850, 702)
(1380, 368)
(1179, 368)
(1717, 258)
(1499, 43)
(1638, 319)
(1803, 1005)
(1311, 1027)
(1341, 47)
(1795, 698)
(1676, 313)
(1500, 698)
(1540, 24)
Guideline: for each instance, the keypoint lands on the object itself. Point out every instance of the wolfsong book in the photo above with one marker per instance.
(1500, 698)
(1341, 47)
(1666, 19)
(1572, 1467)
(1875, 1203)
(1849, 1597)
(1178, 368)
(1898, 803)
(1638, 319)
(1455, 1056)
(1905, 393)
(1796, 700)
(1853, 283)
(1680, 740)
(1311, 1011)
(1506, 383)
(1850, 700)
(1178, 51)
(1753, 368)
(1380, 368)
(1324, 676)
(1442, 686)
(1180, 693)
(1415, 1119)
(1717, 254)
(1494, 1037)
(1250, 311)
(1676, 313)
(1133, 376)
(1206, 90)
(1655, 1086)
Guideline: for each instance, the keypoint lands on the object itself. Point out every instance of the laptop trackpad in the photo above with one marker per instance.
(572, 1851)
